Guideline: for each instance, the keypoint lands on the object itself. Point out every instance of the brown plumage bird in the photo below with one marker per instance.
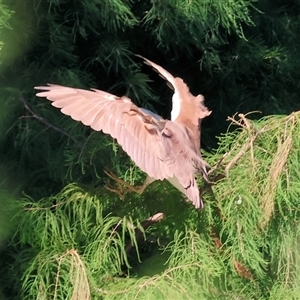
(164, 149)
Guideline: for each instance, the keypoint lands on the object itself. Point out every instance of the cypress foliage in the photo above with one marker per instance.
(70, 233)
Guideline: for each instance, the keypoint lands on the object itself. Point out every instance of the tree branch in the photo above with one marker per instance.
(42, 120)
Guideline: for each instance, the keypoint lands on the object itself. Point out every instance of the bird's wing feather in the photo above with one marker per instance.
(137, 132)
(161, 71)
(183, 159)
(177, 84)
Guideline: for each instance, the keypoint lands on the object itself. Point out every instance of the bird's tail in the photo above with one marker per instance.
(192, 192)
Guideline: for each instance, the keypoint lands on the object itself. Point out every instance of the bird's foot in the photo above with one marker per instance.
(124, 187)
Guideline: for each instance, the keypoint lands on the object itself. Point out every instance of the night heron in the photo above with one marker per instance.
(162, 148)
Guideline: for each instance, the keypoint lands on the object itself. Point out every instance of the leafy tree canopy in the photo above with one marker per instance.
(63, 235)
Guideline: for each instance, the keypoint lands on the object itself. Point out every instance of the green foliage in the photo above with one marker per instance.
(5, 15)
(257, 202)
(74, 244)
(188, 273)
(244, 243)
(9, 209)
(197, 22)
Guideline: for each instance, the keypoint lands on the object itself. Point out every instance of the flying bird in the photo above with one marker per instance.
(164, 149)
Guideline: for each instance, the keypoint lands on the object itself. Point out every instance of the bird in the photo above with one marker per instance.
(162, 148)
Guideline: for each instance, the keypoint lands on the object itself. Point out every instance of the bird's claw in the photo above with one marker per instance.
(123, 187)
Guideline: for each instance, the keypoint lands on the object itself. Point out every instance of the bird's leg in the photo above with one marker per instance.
(125, 187)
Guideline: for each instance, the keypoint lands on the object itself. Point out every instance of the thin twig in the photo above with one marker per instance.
(252, 138)
(42, 120)
(249, 145)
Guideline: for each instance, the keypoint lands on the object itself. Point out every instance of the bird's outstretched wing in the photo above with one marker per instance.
(136, 131)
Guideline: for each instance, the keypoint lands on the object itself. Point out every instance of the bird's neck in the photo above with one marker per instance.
(176, 106)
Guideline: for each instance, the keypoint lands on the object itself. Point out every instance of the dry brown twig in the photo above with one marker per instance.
(253, 134)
